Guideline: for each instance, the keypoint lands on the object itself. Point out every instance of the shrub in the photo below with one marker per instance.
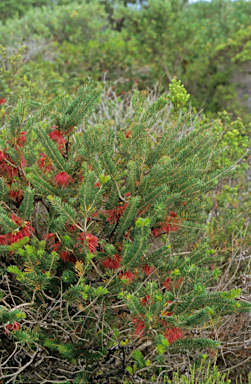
(97, 225)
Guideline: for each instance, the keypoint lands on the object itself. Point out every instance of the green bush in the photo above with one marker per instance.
(94, 222)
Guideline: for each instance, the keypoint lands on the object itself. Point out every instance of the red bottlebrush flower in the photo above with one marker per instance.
(128, 134)
(44, 163)
(172, 214)
(27, 229)
(5, 166)
(166, 228)
(71, 228)
(139, 326)
(16, 195)
(92, 242)
(23, 161)
(24, 226)
(167, 283)
(148, 270)
(129, 276)
(58, 138)
(54, 245)
(3, 239)
(63, 178)
(65, 256)
(13, 237)
(145, 300)
(2, 101)
(116, 213)
(12, 327)
(128, 194)
(22, 139)
(112, 262)
(126, 236)
(155, 232)
(172, 334)
(2, 157)
(97, 184)
(16, 219)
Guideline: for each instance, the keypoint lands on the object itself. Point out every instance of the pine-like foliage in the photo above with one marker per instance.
(103, 240)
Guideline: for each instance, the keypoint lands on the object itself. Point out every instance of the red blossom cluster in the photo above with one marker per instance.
(54, 243)
(112, 262)
(24, 230)
(58, 138)
(170, 224)
(22, 139)
(147, 269)
(173, 334)
(63, 179)
(67, 256)
(129, 276)
(146, 301)
(7, 166)
(44, 163)
(128, 134)
(16, 195)
(12, 327)
(92, 242)
(115, 214)
(167, 283)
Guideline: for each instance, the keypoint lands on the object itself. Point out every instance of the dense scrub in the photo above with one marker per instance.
(125, 50)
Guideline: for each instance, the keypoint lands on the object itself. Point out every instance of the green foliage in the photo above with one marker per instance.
(105, 197)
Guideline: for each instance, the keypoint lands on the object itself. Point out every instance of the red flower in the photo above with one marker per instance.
(167, 283)
(148, 270)
(116, 213)
(44, 163)
(22, 139)
(172, 334)
(63, 178)
(58, 138)
(13, 237)
(2, 157)
(12, 327)
(92, 242)
(3, 240)
(16, 219)
(24, 230)
(155, 232)
(128, 194)
(140, 326)
(23, 161)
(127, 276)
(128, 134)
(112, 262)
(65, 256)
(145, 300)
(71, 228)
(16, 195)
(2, 101)
(54, 245)
(5, 166)
(97, 184)
(165, 228)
